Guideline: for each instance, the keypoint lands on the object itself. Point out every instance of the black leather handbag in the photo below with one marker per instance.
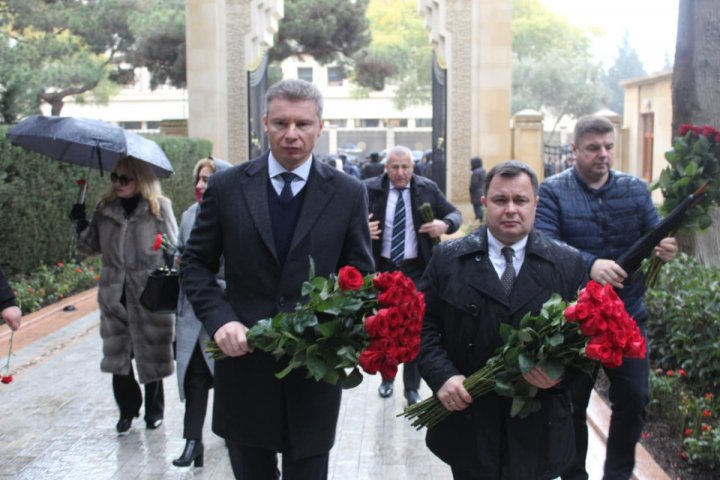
(161, 291)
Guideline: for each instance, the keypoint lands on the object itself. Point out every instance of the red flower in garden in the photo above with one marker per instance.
(705, 427)
(684, 456)
(709, 397)
(682, 372)
(687, 432)
(707, 413)
(81, 182)
(349, 278)
(669, 373)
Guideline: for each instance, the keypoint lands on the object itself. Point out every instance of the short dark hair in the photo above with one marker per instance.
(475, 162)
(294, 89)
(510, 169)
(591, 124)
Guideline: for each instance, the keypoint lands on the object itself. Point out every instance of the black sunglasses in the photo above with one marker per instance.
(122, 179)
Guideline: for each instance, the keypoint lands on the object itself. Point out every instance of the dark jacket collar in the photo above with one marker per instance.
(477, 243)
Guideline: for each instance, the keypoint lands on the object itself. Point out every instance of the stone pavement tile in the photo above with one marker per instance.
(57, 422)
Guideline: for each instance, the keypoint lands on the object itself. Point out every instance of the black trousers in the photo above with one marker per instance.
(413, 269)
(129, 398)
(250, 463)
(198, 382)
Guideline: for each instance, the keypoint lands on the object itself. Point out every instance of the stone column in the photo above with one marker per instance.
(225, 40)
(473, 39)
(528, 139)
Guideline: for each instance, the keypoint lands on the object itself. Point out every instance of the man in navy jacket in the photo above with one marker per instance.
(602, 213)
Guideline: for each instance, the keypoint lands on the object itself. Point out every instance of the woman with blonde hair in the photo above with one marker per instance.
(123, 227)
(194, 365)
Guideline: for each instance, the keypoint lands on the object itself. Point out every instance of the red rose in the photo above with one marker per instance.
(389, 368)
(7, 379)
(593, 325)
(598, 348)
(684, 129)
(378, 325)
(395, 318)
(371, 360)
(349, 278)
(708, 132)
(158, 242)
(687, 432)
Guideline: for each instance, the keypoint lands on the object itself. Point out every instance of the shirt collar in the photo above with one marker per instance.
(495, 246)
(275, 169)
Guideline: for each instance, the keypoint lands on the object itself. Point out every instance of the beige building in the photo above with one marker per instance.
(647, 125)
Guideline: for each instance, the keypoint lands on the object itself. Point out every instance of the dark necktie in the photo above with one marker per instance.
(287, 194)
(508, 276)
(397, 245)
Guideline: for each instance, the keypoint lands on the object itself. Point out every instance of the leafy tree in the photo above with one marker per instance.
(52, 49)
(341, 32)
(159, 46)
(627, 65)
(552, 66)
(399, 52)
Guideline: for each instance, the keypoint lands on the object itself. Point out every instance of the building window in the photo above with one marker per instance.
(367, 122)
(305, 73)
(153, 125)
(335, 122)
(335, 76)
(131, 125)
(648, 125)
(396, 122)
(423, 122)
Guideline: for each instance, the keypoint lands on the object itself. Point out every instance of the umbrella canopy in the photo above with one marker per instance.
(87, 142)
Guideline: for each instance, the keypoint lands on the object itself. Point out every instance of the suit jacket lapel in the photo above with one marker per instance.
(485, 280)
(318, 192)
(254, 188)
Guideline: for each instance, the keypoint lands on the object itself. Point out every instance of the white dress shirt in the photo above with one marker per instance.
(301, 174)
(410, 235)
(498, 260)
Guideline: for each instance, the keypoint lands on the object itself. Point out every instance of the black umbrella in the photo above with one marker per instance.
(87, 142)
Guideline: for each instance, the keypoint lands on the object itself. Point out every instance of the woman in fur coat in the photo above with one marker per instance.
(122, 229)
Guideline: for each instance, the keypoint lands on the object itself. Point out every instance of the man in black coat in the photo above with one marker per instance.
(472, 285)
(412, 252)
(373, 168)
(267, 217)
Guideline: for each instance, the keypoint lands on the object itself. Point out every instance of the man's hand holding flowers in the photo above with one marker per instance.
(232, 340)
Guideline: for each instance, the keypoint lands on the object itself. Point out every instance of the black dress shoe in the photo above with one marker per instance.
(193, 452)
(386, 388)
(153, 424)
(412, 397)
(123, 426)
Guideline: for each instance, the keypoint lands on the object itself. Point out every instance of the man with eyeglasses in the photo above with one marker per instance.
(602, 213)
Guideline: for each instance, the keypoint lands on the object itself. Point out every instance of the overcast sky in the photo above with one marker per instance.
(652, 25)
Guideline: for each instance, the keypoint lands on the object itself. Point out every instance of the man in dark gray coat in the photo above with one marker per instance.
(496, 275)
(268, 217)
(419, 236)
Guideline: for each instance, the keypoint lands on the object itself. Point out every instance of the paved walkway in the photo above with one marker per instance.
(57, 419)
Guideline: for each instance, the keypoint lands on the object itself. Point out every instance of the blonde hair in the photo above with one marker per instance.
(208, 162)
(148, 185)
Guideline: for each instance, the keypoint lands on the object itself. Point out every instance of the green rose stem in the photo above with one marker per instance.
(430, 411)
(427, 215)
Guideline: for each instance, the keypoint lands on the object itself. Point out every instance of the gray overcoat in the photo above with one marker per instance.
(130, 330)
(188, 329)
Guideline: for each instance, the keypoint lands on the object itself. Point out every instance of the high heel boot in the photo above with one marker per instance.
(193, 452)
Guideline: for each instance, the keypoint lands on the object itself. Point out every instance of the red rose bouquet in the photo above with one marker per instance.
(349, 321)
(595, 328)
(690, 185)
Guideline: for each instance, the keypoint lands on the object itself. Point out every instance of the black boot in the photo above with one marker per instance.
(193, 452)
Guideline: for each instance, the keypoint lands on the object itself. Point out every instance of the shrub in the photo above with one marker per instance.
(684, 324)
(668, 399)
(49, 284)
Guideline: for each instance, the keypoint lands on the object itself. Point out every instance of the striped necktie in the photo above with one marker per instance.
(397, 245)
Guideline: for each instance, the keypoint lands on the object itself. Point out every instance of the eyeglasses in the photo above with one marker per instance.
(122, 179)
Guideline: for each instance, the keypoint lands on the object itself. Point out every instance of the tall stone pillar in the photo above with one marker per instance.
(473, 39)
(225, 39)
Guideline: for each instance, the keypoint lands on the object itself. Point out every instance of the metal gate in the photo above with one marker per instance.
(257, 86)
(438, 171)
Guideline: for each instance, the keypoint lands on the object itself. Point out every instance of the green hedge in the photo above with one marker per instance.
(684, 322)
(36, 194)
